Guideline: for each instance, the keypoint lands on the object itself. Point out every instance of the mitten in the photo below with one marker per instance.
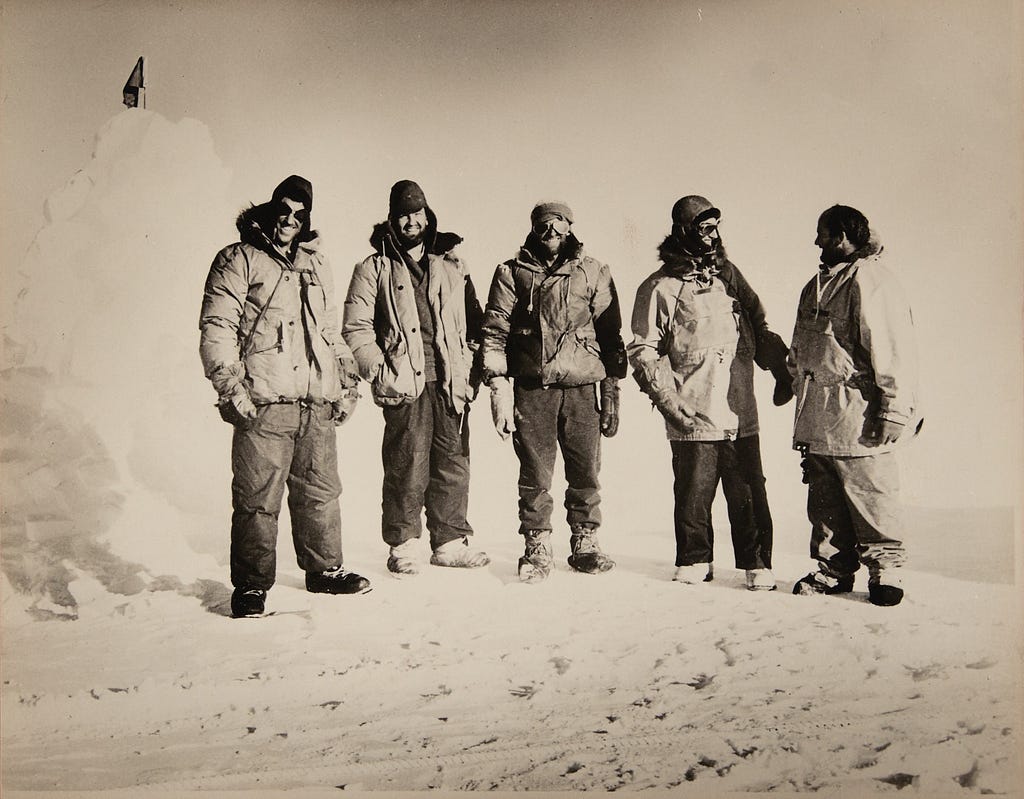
(502, 406)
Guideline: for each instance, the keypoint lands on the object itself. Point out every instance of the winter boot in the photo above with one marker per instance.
(536, 562)
(401, 562)
(248, 603)
(884, 588)
(457, 554)
(760, 580)
(821, 583)
(694, 573)
(587, 556)
(336, 581)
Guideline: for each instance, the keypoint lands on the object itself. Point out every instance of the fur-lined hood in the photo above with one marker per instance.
(385, 241)
(254, 222)
(677, 260)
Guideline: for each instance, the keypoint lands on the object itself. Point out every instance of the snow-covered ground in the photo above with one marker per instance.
(474, 681)
(122, 669)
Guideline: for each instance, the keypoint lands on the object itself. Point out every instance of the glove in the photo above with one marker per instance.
(342, 409)
(770, 353)
(502, 406)
(348, 372)
(783, 387)
(881, 431)
(238, 409)
(675, 410)
(609, 406)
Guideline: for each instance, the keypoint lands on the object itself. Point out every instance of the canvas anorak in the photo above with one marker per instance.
(695, 333)
(853, 356)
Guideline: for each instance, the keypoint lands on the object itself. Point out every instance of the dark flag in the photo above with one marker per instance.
(135, 88)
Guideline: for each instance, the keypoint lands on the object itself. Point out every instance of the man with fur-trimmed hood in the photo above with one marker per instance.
(271, 346)
(854, 362)
(552, 324)
(698, 328)
(412, 320)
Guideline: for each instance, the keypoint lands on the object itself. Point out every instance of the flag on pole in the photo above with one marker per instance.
(135, 89)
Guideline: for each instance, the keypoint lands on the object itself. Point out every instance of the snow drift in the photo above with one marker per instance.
(103, 392)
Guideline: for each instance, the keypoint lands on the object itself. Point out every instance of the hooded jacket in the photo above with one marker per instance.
(560, 327)
(853, 357)
(382, 320)
(695, 329)
(269, 325)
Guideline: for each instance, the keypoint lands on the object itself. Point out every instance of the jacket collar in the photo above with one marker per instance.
(528, 257)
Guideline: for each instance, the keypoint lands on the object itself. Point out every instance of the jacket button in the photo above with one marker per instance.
(291, 323)
(401, 287)
(413, 330)
(418, 374)
(287, 277)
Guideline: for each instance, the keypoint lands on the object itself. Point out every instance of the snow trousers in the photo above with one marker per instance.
(293, 445)
(854, 510)
(426, 464)
(698, 466)
(548, 419)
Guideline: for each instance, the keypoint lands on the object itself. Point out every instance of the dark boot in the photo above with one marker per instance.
(336, 581)
(247, 603)
(587, 556)
(536, 562)
(821, 583)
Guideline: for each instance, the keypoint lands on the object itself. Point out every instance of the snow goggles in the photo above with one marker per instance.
(283, 211)
(708, 227)
(555, 223)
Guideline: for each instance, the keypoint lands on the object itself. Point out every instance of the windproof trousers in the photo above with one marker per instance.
(698, 466)
(855, 514)
(426, 465)
(548, 419)
(293, 445)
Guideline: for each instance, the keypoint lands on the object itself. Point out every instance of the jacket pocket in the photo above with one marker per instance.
(267, 337)
(394, 382)
(577, 361)
(821, 357)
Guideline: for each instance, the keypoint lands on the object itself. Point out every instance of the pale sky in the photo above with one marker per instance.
(910, 111)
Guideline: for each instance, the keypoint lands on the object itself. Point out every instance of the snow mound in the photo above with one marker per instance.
(107, 416)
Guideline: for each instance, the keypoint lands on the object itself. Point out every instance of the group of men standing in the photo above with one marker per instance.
(548, 345)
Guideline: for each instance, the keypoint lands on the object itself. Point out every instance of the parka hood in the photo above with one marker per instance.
(873, 247)
(385, 241)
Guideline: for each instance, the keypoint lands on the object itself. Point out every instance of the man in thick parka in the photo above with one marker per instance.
(698, 329)
(854, 363)
(412, 320)
(271, 346)
(552, 323)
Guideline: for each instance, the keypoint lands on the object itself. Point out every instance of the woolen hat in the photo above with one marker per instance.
(693, 209)
(406, 198)
(543, 211)
(294, 187)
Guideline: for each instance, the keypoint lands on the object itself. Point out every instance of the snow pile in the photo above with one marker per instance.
(105, 400)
